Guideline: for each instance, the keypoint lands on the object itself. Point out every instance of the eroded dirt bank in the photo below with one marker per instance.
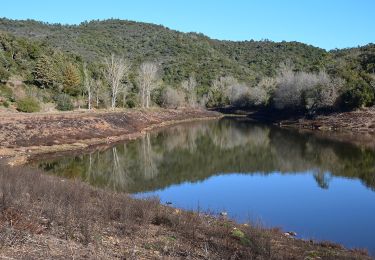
(25, 135)
(357, 127)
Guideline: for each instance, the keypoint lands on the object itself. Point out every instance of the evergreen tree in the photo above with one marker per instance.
(71, 80)
(44, 72)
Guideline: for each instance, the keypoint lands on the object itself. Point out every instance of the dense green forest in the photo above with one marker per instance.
(68, 65)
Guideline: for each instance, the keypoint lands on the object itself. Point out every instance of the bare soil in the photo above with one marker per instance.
(357, 127)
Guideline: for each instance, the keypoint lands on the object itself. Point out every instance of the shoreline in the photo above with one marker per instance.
(176, 228)
(20, 155)
(356, 127)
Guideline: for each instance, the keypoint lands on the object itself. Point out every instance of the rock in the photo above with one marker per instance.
(290, 234)
(223, 214)
(44, 221)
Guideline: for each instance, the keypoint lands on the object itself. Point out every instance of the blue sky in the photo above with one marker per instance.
(325, 23)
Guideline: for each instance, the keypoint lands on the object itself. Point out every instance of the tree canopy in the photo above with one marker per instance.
(52, 56)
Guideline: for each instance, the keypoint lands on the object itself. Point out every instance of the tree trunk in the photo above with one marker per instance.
(89, 99)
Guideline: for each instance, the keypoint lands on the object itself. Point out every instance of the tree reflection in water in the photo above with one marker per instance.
(195, 151)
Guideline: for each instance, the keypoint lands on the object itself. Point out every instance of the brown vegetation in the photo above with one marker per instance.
(46, 217)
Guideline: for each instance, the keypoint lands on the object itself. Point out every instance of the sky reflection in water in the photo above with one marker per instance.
(318, 188)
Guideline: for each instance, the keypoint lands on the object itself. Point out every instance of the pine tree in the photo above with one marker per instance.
(71, 80)
(44, 72)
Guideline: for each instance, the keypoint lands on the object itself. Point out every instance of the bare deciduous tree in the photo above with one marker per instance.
(116, 68)
(88, 82)
(97, 89)
(261, 93)
(172, 98)
(220, 90)
(238, 94)
(146, 79)
(190, 88)
(305, 90)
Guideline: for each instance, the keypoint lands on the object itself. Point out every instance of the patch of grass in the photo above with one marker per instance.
(64, 102)
(28, 105)
(171, 238)
(6, 91)
(241, 236)
(161, 220)
(5, 103)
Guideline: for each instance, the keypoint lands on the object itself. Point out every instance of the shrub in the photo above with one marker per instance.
(359, 94)
(262, 92)
(241, 95)
(64, 102)
(219, 92)
(306, 91)
(4, 74)
(322, 96)
(6, 91)
(238, 95)
(5, 103)
(172, 98)
(28, 105)
(291, 87)
(258, 96)
(131, 103)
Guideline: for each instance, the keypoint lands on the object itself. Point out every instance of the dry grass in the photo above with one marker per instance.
(47, 217)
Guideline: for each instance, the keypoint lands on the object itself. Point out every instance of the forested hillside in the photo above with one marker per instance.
(191, 69)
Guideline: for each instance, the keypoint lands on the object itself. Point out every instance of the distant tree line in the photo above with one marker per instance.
(114, 63)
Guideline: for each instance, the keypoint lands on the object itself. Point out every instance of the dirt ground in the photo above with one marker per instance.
(357, 127)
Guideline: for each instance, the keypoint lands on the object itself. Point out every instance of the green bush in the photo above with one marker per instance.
(63, 102)
(6, 91)
(359, 94)
(28, 105)
(5, 103)
(4, 75)
(131, 103)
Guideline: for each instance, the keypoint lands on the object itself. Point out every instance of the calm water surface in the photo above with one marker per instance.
(318, 188)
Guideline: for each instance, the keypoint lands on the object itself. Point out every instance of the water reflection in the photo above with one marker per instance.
(316, 187)
(194, 152)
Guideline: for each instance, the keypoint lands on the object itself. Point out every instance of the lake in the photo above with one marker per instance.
(319, 188)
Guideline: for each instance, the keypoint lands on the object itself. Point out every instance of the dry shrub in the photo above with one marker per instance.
(305, 90)
(74, 210)
(172, 98)
(71, 206)
(32, 202)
